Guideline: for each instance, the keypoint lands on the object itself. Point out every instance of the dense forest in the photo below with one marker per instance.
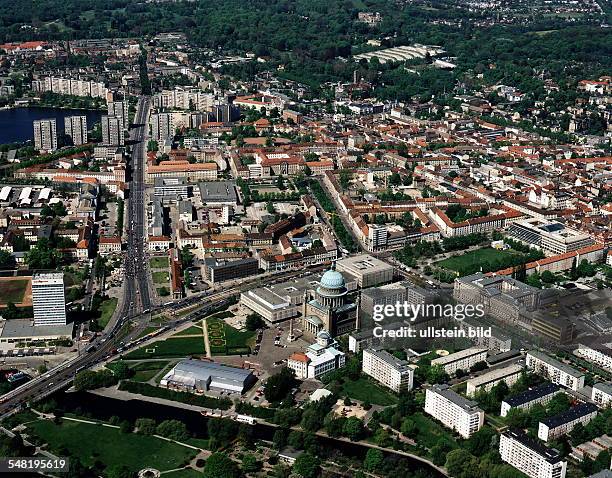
(311, 38)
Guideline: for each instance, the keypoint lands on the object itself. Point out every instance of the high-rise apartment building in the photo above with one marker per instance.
(388, 370)
(48, 299)
(76, 128)
(162, 126)
(458, 413)
(45, 134)
(530, 456)
(112, 131)
(119, 109)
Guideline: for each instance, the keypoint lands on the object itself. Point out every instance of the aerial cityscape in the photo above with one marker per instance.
(306, 238)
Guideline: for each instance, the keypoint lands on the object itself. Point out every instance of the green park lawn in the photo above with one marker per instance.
(226, 340)
(366, 391)
(161, 277)
(194, 330)
(159, 262)
(473, 259)
(107, 308)
(92, 443)
(172, 347)
(145, 371)
(13, 291)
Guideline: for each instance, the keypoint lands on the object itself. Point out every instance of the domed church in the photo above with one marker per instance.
(328, 310)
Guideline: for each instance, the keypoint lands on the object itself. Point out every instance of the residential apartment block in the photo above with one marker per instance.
(487, 381)
(557, 372)
(45, 134)
(600, 356)
(112, 131)
(462, 415)
(602, 394)
(531, 457)
(462, 360)
(542, 394)
(76, 128)
(387, 369)
(565, 422)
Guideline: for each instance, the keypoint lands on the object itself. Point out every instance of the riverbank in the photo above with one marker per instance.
(336, 442)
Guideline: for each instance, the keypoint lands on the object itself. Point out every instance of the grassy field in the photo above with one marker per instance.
(431, 432)
(161, 277)
(177, 347)
(106, 311)
(226, 340)
(187, 473)
(145, 371)
(92, 443)
(366, 391)
(13, 291)
(159, 262)
(474, 258)
(194, 330)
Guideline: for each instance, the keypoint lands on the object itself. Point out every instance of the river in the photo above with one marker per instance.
(16, 123)
(100, 407)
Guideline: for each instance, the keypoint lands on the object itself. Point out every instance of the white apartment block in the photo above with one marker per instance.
(602, 356)
(162, 126)
(462, 360)
(48, 299)
(488, 380)
(602, 394)
(530, 457)
(542, 394)
(76, 128)
(462, 415)
(557, 372)
(120, 110)
(565, 422)
(387, 369)
(70, 86)
(112, 131)
(184, 99)
(45, 134)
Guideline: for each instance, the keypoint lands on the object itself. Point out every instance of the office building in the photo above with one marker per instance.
(557, 372)
(395, 293)
(119, 109)
(556, 329)
(542, 394)
(602, 394)
(112, 131)
(48, 299)
(531, 457)
(218, 193)
(565, 422)
(462, 360)
(45, 134)
(388, 370)
(320, 358)
(488, 380)
(76, 128)
(222, 270)
(552, 237)
(199, 376)
(368, 270)
(462, 415)
(172, 188)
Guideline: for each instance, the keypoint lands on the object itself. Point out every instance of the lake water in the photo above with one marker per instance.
(16, 123)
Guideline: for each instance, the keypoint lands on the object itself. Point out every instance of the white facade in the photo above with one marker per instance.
(565, 422)
(45, 134)
(112, 131)
(541, 394)
(48, 299)
(602, 394)
(462, 360)
(529, 457)
(390, 371)
(76, 128)
(557, 372)
(119, 109)
(488, 380)
(462, 415)
(600, 357)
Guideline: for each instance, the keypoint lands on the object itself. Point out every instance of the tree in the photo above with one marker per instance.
(461, 463)
(120, 369)
(173, 429)
(353, 428)
(547, 277)
(250, 464)
(279, 385)
(373, 459)
(146, 426)
(279, 439)
(481, 441)
(126, 427)
(120, 471)
(409, 428)
(220, 465)
(42, 256)
(7, 261)
(307, 466)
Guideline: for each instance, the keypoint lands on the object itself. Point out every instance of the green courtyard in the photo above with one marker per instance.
(159, 262)
(365, 390)
(161, 277)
